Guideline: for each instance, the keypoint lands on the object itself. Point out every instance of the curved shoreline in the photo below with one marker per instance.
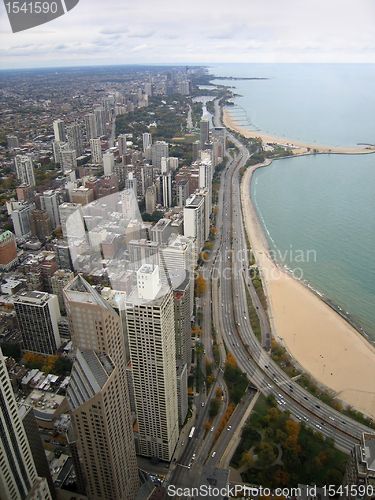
(317, 336)
(298, 147)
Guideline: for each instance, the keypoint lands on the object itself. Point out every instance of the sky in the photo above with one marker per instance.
(100, 32)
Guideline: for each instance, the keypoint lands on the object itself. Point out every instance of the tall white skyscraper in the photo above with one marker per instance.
(108, 163)
(91, 130)
(147, 140)
(96, 151)
(50, 204)
(21, 219)
(59, 130)
(151, 337)
(194, 223)
(18, 475)
(68, 159)
(25, 170)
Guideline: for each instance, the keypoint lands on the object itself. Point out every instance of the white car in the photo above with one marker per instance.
(202, 404)
(213, 454)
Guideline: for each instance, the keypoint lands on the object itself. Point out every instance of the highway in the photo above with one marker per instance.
(228, 265)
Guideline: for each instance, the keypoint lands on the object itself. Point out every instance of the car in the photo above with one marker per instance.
(230, 333)
(243, 402)
(183, 442)
(343, 421)
(281, 396)
(291, 390)
(265, 366)
(213, 454)
(318, 426)
(212, 429)
(238, 345)
(306, 419)
(193, 457)
(299, 418)
(244, 317)
(257, 307)
(204, 303)
(331, 418)
(229, 428)
(306, 398)
(202, 404)
(237, 295)
(317, 406)
(222, 305)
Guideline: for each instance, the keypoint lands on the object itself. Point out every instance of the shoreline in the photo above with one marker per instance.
(321, 340)
(299, 148)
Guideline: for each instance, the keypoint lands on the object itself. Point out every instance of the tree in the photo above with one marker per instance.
(247, 460)
(271, 400)
(200, 286)
(218, 392)
(214, 407)
(334, 477)
(266, 454)
(207, 426)
(63, 366)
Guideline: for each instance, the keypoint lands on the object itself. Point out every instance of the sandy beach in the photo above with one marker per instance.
(323, 343)
(298, 148)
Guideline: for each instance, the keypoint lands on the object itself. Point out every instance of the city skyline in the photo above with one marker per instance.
(267, 32)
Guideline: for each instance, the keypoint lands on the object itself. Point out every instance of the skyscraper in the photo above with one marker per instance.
(25, 170)
(75, 139)
(37, 314)
(205, 131)
(8, 251)
(96, 151)
(59, 130)
(159, 150)
(98, 395)
(122, 144)
(50, 204)
(194, 223)
(18, 475)
(151, 337)
(91, 130)
(108, 163)
(100, 116)
(147, 140)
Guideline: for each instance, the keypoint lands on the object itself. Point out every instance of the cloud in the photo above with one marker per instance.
(140, 47)
(141, 34)
(114, 30)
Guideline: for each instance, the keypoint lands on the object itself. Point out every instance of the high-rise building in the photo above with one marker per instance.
(21, 219)
(151, 337)
(25, 193)
(58, 148)
(75, 139)
(68, 159)
(205, 181)
(18, 474)
(60, 279)
(49, 202)
(205, 132)
(37, 314)
(74, 227)
(147, 140)
(183, 88)
(59, 130)
(40, 224)
(178, 255)
(108, 163)
(182, 300)
(62, 255)
(96, 151)
(182, 192)
(194, 221)
(161, 231)
(25, 170)
(91, 130)
(166, 190)
(30, 425)
(98, 396)
(8, 251)
(82, 195)
(100, 116)
(360, 469)
(122, 148)
(150, 199)
(219, 133)
(196, 150)
(159, 150)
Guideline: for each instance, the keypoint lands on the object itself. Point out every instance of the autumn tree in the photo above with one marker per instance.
(200, 286)
(207, 426)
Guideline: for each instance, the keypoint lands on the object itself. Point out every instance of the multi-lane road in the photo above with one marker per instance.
(228, 264)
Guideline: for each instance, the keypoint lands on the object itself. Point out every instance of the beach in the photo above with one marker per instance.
(298, 148)
(323, 343)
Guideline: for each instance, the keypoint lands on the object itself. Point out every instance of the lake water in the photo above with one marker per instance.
(323, 205)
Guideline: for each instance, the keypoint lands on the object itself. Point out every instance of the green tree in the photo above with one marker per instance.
(266, 454)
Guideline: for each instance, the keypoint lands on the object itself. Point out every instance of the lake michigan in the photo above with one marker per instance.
(318, 211)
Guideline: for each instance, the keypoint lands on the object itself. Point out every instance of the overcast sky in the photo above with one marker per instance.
(100, 32)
